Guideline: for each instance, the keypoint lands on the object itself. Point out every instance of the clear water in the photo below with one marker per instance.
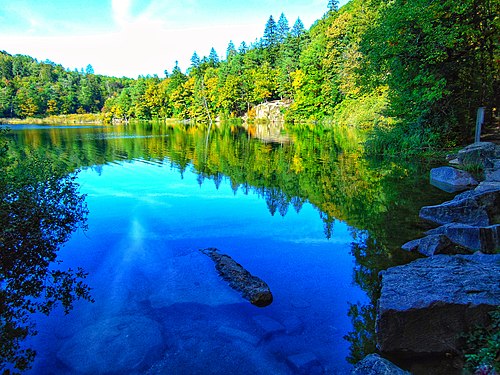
(160, 307)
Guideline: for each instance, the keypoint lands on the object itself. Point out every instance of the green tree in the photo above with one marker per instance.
(283, 29)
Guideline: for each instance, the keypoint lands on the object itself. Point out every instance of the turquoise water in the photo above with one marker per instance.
(157, 196)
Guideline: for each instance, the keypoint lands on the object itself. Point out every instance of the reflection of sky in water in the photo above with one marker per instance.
(146, 224)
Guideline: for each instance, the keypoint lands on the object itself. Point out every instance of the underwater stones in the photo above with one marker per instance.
(115, 345)
(293, 325)
(426, 305)
(238, 334)
(305, 363)
(268, 325)
(251, 287)
(451, 179)
(374, 364)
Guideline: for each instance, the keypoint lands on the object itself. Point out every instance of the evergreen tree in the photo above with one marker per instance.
(213, 58)
(270, 37)
(231, 50)
(283, 28)
(242, 48)
(89, 69)
(333, 5)
(195, 60)
(298, 28)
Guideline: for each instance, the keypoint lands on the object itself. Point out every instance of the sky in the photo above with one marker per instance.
(139, 37)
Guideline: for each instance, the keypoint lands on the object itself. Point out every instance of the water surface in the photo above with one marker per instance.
(316, 222)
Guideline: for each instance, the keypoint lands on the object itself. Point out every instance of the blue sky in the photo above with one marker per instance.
(139, 37)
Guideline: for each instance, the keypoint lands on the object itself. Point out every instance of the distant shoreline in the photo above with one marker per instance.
(73, 119)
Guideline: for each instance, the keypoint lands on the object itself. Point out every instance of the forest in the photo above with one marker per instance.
(409, 74)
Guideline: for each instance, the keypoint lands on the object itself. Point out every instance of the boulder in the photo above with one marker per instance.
(251, 287)
(374, 364)
(451, 179)
(427, 304)
(305, 363)
(484, 239)
(433, 244)
(471, 207)
(120, 345)
(479, 154)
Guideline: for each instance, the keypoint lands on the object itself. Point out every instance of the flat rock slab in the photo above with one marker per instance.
(484, 239)
(305, 363)
(268, 325)
(251, 287)
(190, 278)
(374, 364)
(434, 244)
(239, 335)
(451, 179)
(471, 207)
(115, 345)
(425, 305)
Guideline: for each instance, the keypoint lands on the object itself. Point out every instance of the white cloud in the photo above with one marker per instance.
(121, 11)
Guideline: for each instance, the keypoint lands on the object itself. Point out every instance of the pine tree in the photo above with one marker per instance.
(270, 37)
(213, 58)
(333, 5)
(242, 49)
(231, 50)
(195, 60)
(283, 28)
(298, 28)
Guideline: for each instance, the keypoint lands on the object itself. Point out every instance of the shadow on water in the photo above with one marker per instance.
(40, 207)
(378, 200)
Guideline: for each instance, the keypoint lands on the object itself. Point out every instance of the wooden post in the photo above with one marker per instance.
(479, 122)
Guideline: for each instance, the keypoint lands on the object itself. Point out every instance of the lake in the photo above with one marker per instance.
(306, 212)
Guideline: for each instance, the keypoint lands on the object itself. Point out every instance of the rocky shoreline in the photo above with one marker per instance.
(426, 306)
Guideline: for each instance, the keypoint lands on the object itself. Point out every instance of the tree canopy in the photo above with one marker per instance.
(410, 73)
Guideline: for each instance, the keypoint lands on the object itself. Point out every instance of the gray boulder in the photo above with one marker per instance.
(434, 244)
(478, 154)
(374, 364)
(251, 287)
(484, 239)
(471, 207)
(451, 179)
(426, 305)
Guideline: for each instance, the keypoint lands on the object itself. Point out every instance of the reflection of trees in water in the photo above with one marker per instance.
(378, 199)
(39, 209)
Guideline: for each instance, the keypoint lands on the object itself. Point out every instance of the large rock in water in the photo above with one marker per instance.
(471, 208)
(374, 364)
(119, 345)
(425, 305)
(251, 287)
(451, 179)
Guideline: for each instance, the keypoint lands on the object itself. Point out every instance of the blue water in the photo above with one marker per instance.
(160, 307)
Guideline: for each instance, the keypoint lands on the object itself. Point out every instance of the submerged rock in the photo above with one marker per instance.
(251, 287)
(305, 363)
(451, 179)
(374, 364)
(116, 345)
(426, 305)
